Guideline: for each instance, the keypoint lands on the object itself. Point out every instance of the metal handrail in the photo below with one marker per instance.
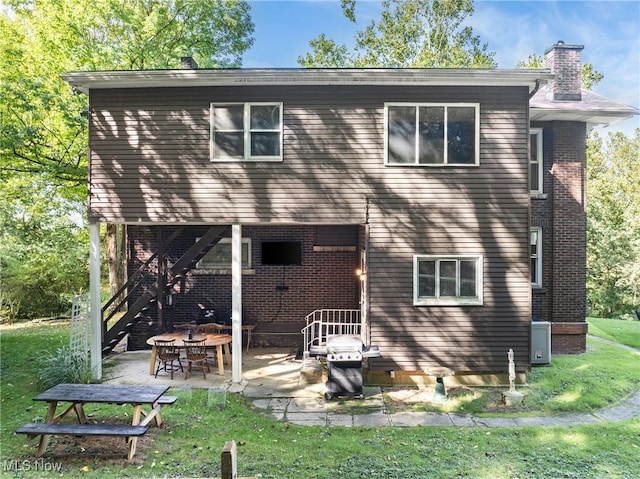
(323, 323)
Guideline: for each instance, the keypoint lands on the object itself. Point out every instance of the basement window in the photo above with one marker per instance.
(447, 280)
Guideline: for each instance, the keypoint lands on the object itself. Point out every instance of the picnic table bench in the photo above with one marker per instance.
(80, 394)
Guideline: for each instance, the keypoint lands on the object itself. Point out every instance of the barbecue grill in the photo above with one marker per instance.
(344, 355)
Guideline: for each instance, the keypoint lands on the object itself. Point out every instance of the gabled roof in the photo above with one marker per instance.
(85, 81)
(592, 109)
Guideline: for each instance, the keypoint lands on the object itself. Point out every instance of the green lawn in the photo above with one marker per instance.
(191, 442)
(620, 331)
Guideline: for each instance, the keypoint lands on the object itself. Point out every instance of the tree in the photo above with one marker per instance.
(43, 138)
(409, 34)
(613, 224)
(43, 249)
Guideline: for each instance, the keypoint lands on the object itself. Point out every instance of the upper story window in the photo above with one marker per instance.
(246, 131)
(447, 280)
(536, 257)
(535, 161)
(432, 134)
(219, 256)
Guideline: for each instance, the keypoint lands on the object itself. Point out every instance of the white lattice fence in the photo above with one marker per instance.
(80, 326)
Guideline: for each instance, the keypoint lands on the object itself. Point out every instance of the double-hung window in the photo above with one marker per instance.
(432, 134)
(536, 257)
(535, 161)
(246, 131)
(447, 280)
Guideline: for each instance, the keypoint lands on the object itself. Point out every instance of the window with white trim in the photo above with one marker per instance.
(447, 280)
(246, 132)
(432, 134)
(535, 161)
(219, 257)
(536, 256)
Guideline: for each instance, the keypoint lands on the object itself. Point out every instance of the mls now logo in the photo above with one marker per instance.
(38, 465)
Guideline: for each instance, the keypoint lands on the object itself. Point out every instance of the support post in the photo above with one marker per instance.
(236, 302)
(228, 461)
(95, 313)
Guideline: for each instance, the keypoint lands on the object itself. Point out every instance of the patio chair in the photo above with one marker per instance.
(167, 353)
(196, 353)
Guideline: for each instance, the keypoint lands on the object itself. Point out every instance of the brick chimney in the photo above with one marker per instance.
(565, 63)
(188, 63)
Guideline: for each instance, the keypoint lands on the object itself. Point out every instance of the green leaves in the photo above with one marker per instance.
(409, 34)
(43, 134)
(613, 225)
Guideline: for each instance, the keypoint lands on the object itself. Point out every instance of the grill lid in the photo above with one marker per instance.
(344, 342)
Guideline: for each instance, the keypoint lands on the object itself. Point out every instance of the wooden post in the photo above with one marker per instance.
(228, 460)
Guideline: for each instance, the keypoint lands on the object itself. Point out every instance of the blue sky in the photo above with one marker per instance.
(609, 31)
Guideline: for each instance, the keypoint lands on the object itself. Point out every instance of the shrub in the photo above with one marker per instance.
(63, 366)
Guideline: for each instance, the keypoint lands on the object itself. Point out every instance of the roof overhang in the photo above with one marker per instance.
(85, 81)
(592, 109)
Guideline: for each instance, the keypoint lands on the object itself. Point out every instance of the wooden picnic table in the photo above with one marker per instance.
(219, 341)
(80, 394)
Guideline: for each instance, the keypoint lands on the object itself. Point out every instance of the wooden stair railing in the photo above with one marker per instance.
(132, 285)
(113, 335)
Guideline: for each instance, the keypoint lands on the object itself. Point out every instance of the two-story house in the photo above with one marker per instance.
(444, 209)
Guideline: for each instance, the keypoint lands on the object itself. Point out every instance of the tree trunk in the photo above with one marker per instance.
(114, 240)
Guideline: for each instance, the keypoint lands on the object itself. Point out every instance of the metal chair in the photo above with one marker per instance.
(196, 353)
(167, 353)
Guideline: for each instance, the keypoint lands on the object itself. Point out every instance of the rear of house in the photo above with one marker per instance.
(401, 196)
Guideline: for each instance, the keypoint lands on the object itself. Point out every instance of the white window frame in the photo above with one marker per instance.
(538, 160)
(476, 160)
(247, 131)
(536, 235)
(210, 266)
(477, 300)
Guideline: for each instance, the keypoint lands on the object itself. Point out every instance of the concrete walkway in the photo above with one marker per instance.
(273, 383)
(371, 412)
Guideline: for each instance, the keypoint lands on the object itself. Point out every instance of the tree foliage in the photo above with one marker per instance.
(43, 133)
(43, 249)
(409, 34)
(613, 224)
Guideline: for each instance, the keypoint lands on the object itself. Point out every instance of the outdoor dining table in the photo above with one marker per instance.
(80, 394)
(215, 328)
(219, 341)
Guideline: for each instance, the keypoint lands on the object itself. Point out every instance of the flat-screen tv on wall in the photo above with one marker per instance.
(281, 252)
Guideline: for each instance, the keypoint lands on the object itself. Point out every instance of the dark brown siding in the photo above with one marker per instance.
(453, 211)
(150, 164)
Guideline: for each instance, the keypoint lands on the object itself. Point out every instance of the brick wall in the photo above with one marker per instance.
(325, 279)
(561, 212)
(569, 222)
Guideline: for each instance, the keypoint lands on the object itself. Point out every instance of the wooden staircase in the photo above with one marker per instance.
(146, 279)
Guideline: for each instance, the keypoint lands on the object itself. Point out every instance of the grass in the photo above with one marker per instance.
(191, 443)
(620, 331)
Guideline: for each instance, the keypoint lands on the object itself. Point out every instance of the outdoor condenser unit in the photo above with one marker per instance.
(540, 342)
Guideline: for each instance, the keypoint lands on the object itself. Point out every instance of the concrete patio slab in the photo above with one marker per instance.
(272, 380)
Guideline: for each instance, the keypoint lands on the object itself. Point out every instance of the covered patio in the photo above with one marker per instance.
(267, 372)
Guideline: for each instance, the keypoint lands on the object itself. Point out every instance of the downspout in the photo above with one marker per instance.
(535, 89)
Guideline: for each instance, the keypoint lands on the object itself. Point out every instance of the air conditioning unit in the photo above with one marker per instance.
(540, 342)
